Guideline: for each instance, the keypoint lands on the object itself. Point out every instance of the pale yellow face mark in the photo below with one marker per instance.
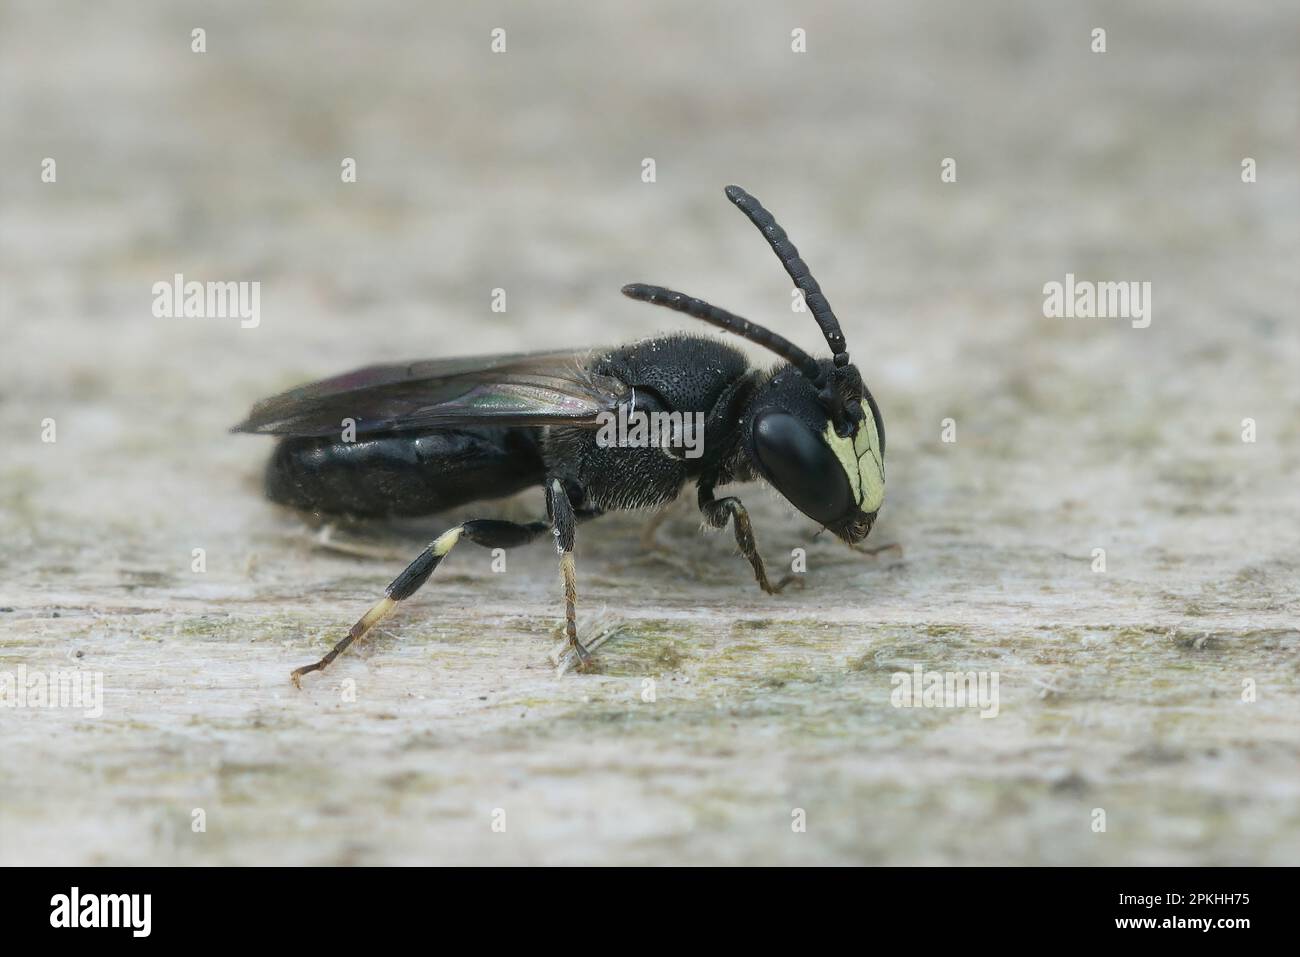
(862, 462)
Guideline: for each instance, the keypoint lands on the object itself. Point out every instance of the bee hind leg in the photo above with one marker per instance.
(490, 533)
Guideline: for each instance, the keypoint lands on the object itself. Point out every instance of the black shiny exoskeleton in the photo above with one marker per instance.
(419, 438)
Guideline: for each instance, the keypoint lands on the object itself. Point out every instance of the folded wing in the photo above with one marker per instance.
(539, 388)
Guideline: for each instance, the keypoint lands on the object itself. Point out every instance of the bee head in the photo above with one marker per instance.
(812, 429)
(821, 446)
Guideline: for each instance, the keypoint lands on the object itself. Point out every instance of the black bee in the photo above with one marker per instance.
(444, 432)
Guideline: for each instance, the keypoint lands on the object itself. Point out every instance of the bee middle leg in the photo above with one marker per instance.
(563, 525)
(717, 512)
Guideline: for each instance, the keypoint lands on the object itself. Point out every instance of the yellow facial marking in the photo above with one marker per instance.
(862, 462)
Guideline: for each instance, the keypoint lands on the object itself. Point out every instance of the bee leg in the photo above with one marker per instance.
(489, 533)
(649, 543)
(717, 512)
(326, 541)
(877, 549)
(563, 523)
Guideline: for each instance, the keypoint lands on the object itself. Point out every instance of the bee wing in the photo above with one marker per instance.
(538, 388)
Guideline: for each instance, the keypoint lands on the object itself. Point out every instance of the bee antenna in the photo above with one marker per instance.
(798, 269)
(730, 322)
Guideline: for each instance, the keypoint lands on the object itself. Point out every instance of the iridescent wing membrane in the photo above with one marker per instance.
(523, 389)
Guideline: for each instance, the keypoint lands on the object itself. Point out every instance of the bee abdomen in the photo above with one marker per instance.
(403, 473)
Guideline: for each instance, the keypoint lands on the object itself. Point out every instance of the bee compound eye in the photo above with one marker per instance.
(802, 467)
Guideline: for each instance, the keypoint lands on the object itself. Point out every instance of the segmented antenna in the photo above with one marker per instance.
(797, 268)
(700, 309)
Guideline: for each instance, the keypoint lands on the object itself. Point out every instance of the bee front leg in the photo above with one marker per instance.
(717, 512)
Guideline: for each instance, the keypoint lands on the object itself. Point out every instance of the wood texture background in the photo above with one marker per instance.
(1121, 691)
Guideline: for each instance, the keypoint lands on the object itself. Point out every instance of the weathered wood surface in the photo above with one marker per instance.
(1121, 691)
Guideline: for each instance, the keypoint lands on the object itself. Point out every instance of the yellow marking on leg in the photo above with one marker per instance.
(446, 541)
(381, 610)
